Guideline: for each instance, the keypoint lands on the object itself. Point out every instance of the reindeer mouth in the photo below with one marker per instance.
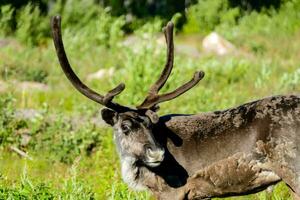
(154, 158)
(153, 164)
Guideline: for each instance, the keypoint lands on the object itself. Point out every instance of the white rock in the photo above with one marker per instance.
(214, 43)
(100, 74)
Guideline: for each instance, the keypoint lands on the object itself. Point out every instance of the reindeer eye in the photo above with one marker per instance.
(126, 126)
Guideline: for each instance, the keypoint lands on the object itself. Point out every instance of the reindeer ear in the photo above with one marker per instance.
(109, 116)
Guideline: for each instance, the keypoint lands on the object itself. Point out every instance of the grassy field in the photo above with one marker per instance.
(71, 152)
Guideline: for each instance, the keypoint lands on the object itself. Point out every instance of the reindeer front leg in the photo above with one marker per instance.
(234, 175)
(196, 189)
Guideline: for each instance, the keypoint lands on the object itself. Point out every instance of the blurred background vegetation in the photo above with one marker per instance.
(68, 150)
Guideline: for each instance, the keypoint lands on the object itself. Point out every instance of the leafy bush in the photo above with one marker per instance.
(273, 23)
(61, 139)
(6, 20)
(140, 9)
(32, 27)
(57, 137)
(224, 15)
(37, 75)
(103, 30)
(9, 125)
(23, 74)
(207, 14)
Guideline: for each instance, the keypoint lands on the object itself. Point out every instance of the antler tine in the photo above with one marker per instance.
(81, 87)
(168, 32)
(172, 95)
(153, 98)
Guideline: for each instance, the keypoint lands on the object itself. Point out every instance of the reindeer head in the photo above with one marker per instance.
(132, 126)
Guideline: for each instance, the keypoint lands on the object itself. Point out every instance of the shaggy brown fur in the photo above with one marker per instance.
(231, 152)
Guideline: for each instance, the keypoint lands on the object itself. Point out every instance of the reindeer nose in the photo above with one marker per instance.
(155, 154)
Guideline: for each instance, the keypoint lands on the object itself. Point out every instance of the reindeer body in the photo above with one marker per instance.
(231, 152)
(235, 151)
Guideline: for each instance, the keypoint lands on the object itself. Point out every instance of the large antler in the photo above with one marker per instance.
(105, 100)
(153, 98)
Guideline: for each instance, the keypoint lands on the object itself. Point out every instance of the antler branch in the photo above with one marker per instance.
(81, 87)
(153, 98)
(168, 32)
(156, 99)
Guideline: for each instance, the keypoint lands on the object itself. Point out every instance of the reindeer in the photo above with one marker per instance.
(231, 152)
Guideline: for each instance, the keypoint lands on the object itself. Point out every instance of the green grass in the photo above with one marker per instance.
(88, 177)
(72, 158)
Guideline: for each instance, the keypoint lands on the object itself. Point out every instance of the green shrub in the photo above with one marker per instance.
(207, 14)
(273, 23)
(32, 27)
(23, 74)
(58, 137)
(9, 125)
(37, 75)
(6, 20)
(219, 15)
(100, 28)
(61, 139)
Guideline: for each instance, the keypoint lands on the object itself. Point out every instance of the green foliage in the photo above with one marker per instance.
(37, 75)
(29, 190)
(75, 13)
(62, 140)
(31, 25)
(106, 30)
(290, 80)
(100, 27)
(22, 74)
(6, 17)
(207, 14)
(272, 23)
(8, 123)
(219, 15)
(74, 188)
